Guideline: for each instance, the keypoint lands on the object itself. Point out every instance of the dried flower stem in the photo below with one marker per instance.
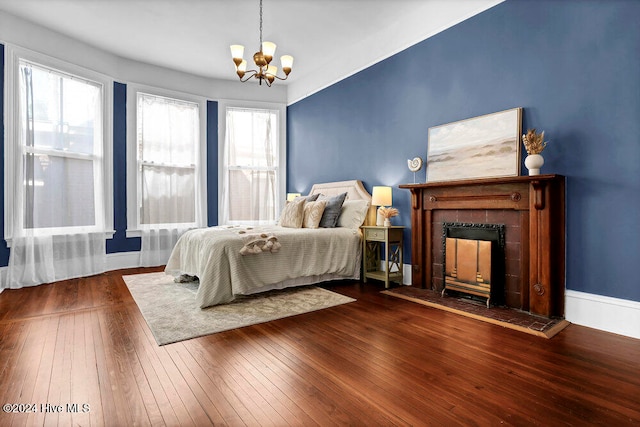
(388, 212)
(534, 142)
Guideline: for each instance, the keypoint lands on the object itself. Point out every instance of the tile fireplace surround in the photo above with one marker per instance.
(532, 208)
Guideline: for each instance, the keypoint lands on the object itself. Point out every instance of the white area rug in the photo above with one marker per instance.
(172, 314)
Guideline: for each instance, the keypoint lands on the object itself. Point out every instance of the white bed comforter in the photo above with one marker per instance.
(305, 256)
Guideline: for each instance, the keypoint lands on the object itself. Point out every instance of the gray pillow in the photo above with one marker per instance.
(310, 198)
(332, 210)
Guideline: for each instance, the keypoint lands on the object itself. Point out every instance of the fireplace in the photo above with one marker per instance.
(473, 260)
(532, 211)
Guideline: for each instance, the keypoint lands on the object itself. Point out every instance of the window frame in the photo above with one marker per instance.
(104, 208)
(281, 132)
(134, 228)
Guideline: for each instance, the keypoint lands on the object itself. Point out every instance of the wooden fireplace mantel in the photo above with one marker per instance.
(540, 204)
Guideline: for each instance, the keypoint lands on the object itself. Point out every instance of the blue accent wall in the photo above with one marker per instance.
(120, 242)
(574, 67)
(4, 251)
(212, 163)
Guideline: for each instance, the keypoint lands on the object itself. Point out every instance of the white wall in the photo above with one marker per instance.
(16, 31)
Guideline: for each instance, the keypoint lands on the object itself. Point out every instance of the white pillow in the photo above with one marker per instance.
(353, 213)
(313, 213)
(292, 214)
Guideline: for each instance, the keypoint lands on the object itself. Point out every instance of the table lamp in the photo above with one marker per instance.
(380, 197)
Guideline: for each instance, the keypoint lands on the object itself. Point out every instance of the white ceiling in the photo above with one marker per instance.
(329, 39)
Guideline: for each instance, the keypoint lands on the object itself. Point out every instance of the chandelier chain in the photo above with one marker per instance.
(260, 25)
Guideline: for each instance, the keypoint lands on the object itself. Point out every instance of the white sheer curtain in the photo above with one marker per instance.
(168, 139)
(157, 244)
(35, 260)
(250, 187)
(57, 194)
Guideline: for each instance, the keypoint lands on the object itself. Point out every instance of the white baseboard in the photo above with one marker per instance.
(605, 313)
(120, 260)
(406, 274)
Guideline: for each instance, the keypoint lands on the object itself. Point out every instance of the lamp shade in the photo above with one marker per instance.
(268, 48)
(286, 61)
(292, 196)
(381, 196)
(237, 51)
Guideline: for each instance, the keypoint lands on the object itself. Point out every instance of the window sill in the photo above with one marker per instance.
(133, 233)
(108, 234)
(181, 227)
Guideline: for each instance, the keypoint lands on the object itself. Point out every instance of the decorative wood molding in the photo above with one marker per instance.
(414, 201)
(538, 191)
(514, 197)
(540, 204)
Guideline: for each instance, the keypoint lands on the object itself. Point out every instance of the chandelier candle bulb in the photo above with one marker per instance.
(237, 52)
(287, 63)
(271, 73)
(242, 68)
(268, 49)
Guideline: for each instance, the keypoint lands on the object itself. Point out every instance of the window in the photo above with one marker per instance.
(167, 150)
(252, 165)
(58, 141)
(58, 209)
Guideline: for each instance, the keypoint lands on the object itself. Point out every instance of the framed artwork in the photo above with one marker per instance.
(481, 147)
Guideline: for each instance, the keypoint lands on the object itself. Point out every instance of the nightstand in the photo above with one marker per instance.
(374, 239)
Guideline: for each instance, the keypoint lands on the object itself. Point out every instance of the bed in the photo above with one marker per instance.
(236, 260)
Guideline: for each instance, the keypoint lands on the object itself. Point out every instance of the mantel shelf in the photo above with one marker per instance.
(483, 181)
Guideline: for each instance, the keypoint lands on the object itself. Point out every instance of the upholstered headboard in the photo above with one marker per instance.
(355, 191)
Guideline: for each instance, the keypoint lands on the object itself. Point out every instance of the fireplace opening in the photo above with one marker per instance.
(474, 261)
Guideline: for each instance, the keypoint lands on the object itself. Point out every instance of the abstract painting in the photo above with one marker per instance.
(481, 147)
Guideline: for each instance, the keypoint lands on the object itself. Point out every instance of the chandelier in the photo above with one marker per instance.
(265, 71)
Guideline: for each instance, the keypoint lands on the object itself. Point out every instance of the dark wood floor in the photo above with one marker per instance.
(378, 361)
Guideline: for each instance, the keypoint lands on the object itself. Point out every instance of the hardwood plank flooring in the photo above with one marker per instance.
(378, 361)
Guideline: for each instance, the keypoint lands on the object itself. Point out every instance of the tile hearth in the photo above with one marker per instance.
(502, 316)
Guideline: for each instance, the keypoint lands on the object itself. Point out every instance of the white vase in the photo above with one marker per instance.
(387, 222)
(534, 162)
